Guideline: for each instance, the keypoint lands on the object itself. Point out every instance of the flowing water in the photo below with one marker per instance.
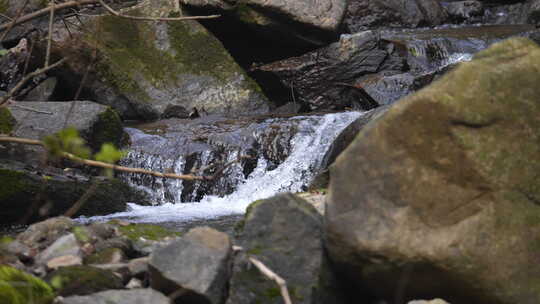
(312, 137)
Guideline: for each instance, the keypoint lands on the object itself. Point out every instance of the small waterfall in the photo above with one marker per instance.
(308, 141)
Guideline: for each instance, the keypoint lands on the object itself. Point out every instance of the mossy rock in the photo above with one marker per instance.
(17, 287)
(106, 256)
(150, 232)
(82, 280)
(7, 122)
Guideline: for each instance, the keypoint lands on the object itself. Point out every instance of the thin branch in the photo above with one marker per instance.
(95, 163)
(28, 77)
(49, 39)
(82, 200)
(274, 277)
(28, 108)
(117, 14)
(267, 272)
(14, 21)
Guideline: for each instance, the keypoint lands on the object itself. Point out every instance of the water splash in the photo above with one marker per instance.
(309, 146)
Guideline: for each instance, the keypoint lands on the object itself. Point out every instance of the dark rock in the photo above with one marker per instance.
(43, 91)
(27, 196)
(82, 280)
(175, 111)
(135, 296)
(364, 14)
(313, 22)
(197, 265)
(285, 233)
(12, 65)
(465, 10)
(143, 67)
(444, 186)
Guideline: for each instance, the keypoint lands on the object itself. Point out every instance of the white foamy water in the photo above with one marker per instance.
(309, 146)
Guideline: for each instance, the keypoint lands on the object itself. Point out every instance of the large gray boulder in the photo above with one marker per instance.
(363, 14)
(444, 188)
(142, 68)
(285, 233)
(194, 268)
(135, 296)
(313, 21)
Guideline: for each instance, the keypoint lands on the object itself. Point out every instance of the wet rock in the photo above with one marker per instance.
(314, 22)
(144, 67)
(465, 10)
(272, 231)
(82, 280)
(65, 245)
(363, 14)
(27, 196)
(445, 186)
(135, 296)
(195, 267)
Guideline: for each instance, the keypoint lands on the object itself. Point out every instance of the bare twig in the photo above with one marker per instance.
(267, 272)
(117, 14)
(29, 109)
(14, 21)
(28, 77)
(49, 39)
(95, 163)
(274, 277)
(82, 200)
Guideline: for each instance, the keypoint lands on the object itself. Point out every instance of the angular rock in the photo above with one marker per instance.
(27, 196)
(82, 280)
(65, 245)
(364, 14)
(41, 235)
(465, 10)
(197, 264)
(63, 261)
(43, 91)
(135, 296)
(138, 267)
(285, 233)
(143, 67)
(444, 188)
(106, 256)
(312, 21)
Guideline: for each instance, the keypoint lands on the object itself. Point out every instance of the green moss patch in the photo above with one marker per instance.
(7, 122)
(149, 232)
(82, 280)
(17, 287)
(12, 183)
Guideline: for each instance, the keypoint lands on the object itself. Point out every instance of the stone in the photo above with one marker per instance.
(134, 283)
(65, 245)
(63, 261)
(465, 10)
(82, 280)
(444, 187)
(58, 191)
(134, 296)
(284, 232)
(41, 235)
(197, 264)
(145, 67)
(43, 91)
(315, 22)
(97, 124)
(106, 256)
(363, 14)
(138, 267)
(435, 301)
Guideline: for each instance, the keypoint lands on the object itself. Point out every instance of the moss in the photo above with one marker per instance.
(11, 184)
(272, 293)
(150, 232)
(17, 287)
(105, 256)
(250, 16)
(255, 250)
(7, 122)
(82, 280)
(4, 5)
(108, 129)
(81, 234)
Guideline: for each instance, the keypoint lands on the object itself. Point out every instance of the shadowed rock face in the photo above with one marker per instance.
(444, 187)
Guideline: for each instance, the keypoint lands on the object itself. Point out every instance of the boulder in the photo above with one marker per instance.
(82, 280)
(27, 196)
(444, 188)
(285, 233)
(18, 287)
(135, 296)
(144, 67)
(363, 14)
(194, 268)
(65, 245)
(314, 22)
(41, 235)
